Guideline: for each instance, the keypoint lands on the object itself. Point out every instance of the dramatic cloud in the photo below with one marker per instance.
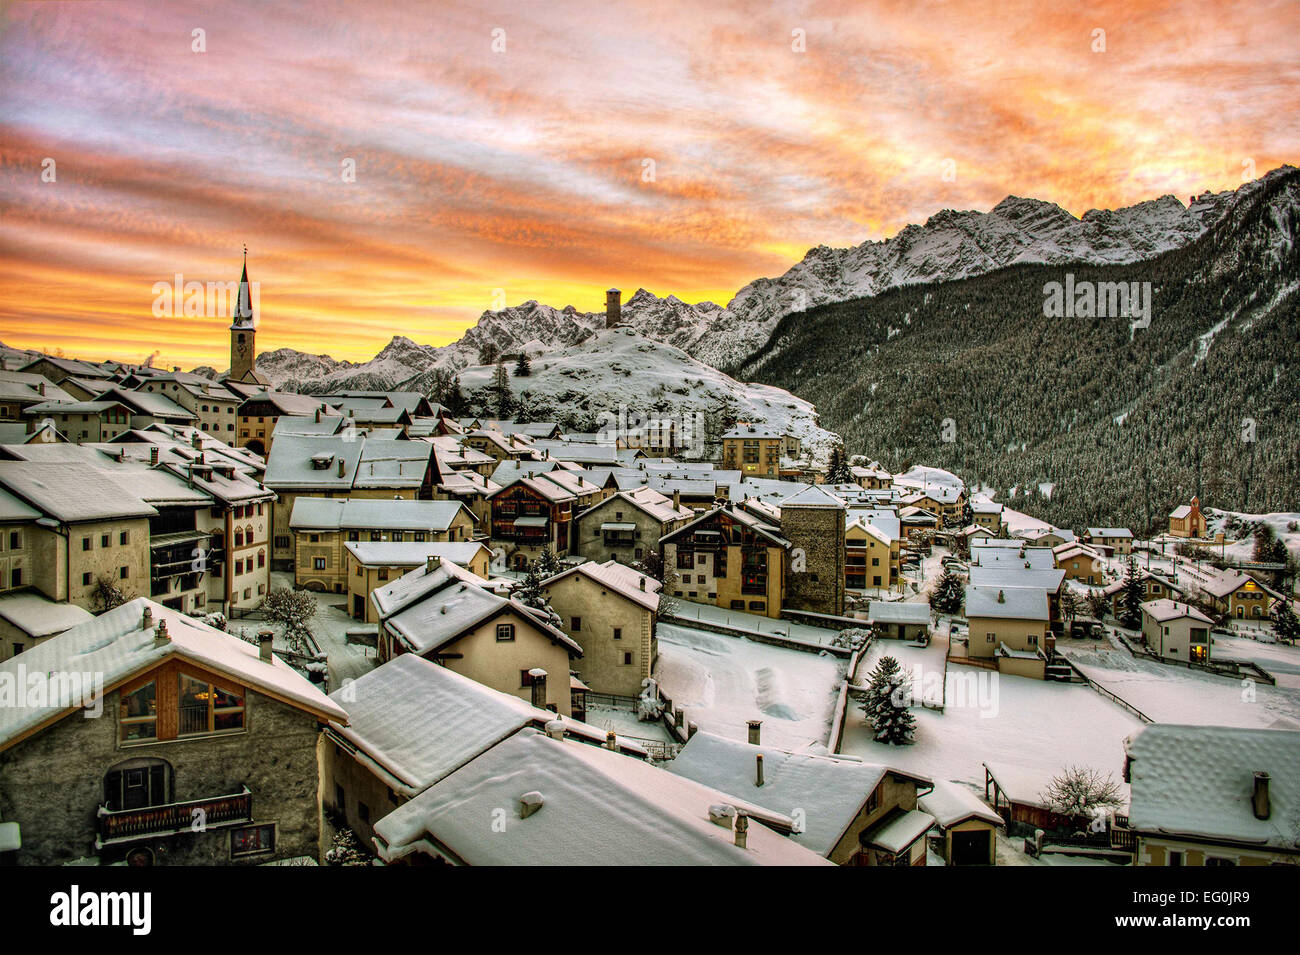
(682, 147)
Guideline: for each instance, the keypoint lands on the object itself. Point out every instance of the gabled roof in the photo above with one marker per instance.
(831, 791)
(411, 554)
(951, 803)
(354, 513)
(813, 496)
(641, 589)
(1109, 532)
(647, 500)
(1198, 781)
(598, 808)
(117, 646)
(1017, 603)
(1165, 610)
(72, 491)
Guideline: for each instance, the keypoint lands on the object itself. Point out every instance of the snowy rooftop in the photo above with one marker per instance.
(1162, 610)
(72, 491)
(620, 578)
(899, 830)
(830, 791)
(1016, 603)
(951, 803)
(597, 808)
(1109, 532)
(335, 514)
(1199, 780)
(898, 611)
(409, 554)
(1015, 575)
(117, 645)
(37, 615)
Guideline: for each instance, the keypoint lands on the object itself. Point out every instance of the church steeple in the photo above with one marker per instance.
(243, 332)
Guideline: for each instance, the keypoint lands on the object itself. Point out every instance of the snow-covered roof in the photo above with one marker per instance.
(751, 431)
(1013, 575)
(116, 645)
(898, 611)
(830, 791)
(37, 615)
(951, 803)
(626, 581)
(597, 807)
(899, 830)
(1017, 603)
(409, 554)
(299, 461)
(1199, 781)
(72, 491)
(416, 721)
(336, 514)
(1180, 512)
(813, 496)
(1162, 610)
(1109, 532)
(15, 509)
(647, 500)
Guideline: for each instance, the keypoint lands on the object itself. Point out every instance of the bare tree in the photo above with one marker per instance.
(1082, 793)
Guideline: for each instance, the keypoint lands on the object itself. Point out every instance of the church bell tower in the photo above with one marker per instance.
(243, 331)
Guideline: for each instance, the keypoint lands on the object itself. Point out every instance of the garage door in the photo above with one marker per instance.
(971, 848)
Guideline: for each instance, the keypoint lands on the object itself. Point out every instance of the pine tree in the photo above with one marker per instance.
(522, 368)
(1069, 605)
(887, 704)
(1286, 626)
(502, 401)
(532, 594)
(548, 565)
(837, 470)
(1131, 597)
(948, 593)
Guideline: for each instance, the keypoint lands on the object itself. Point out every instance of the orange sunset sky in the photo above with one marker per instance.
(480, 169)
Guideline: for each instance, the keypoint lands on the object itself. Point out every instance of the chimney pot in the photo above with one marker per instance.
(148, 619)
(1259, 797)
(341, 467)
(755, 732)
(264, 642)
(431, 563)
(153, 454)
(529, 803)
(611, 740)
(160, 633)
(758, 770)
(742, 831)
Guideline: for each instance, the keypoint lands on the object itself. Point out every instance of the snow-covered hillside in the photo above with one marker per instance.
(619, 367)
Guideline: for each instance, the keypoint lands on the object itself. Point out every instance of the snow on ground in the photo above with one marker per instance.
(1244, 549)
(723, 682)
(1175, 694)
(329, 627)
(1277, 658)
(1031, 723)
(924, 664)
(624, 723)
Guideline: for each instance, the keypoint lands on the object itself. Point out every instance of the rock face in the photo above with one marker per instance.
(950, 245)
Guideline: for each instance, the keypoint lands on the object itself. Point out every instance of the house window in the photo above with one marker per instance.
(124, 572)
(989, 637)
(627, 659)
(124, 538)
(576, 624)
(618, 633)
(16, 577)
(206, 708)
(738, 605)
(319, 563)
(1175, 857)
(685, 559)
(103, 540)
(505, 632)
(85, 543)
(1032, 639)
(85, 580)
(383, 573)
(138, 714)
(137, 784)
(252, 840)
(15, 540)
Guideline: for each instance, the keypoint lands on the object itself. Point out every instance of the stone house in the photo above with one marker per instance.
(629, 524)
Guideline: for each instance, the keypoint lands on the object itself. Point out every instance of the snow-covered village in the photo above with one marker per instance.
(972, 544)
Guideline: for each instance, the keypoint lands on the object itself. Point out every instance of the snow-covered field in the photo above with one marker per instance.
(740, 620)
(723, 682)
(1174, 694)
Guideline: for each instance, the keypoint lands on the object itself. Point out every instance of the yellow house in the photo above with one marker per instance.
(1213, 795)
(729, 558)
(374, 565)
(447, 615)
(1010, 626)
(871, 557)
(322, 528)
(753, 450)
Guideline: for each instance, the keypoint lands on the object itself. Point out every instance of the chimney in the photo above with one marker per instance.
(195, 441)
(40, 387)
(611, 740)
(555, 729)
(529, 803)
(742, 831)
(539, 687)
(758, 770)
(641, 581)
(147, 624)
(153, 454)
(341, 467)
(264, 639)
(318, 415)
(755, 732)
(431, 563)
(613, 307)
(677, 499)
(1002, 597)
(1259, 797)
(160, 634)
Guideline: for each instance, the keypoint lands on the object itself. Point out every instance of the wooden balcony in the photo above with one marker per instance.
(128, 825)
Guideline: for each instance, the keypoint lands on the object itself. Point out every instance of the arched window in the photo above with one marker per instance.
(248, 533)
(261, 558)
(137, 783)
(239, 538)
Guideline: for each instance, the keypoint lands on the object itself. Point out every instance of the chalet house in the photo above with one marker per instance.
(371, 565)
(854, 813)
(447, 615)
(1188, 521)
(610, 610)
(1237, 595)
(1213, 795)
(323, 526)
(1154, 587)
(499, 446)
(198, 725)
(731, 559)
(1045, 536)
(470, 488)
(1080, 562)
(753, 450)
(81, 421)
(915, 520)
(56, 369)
(150, 408)
(871, 478)
(947, 502)
(91, 526)
(574, 804)
(412, 723)
(19, 391)
(529, 515)
(988, 514)
(629, 524)
(1176, 631)
(871, 557)
(1118, 540)
(1009, 625)
(967, 827)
